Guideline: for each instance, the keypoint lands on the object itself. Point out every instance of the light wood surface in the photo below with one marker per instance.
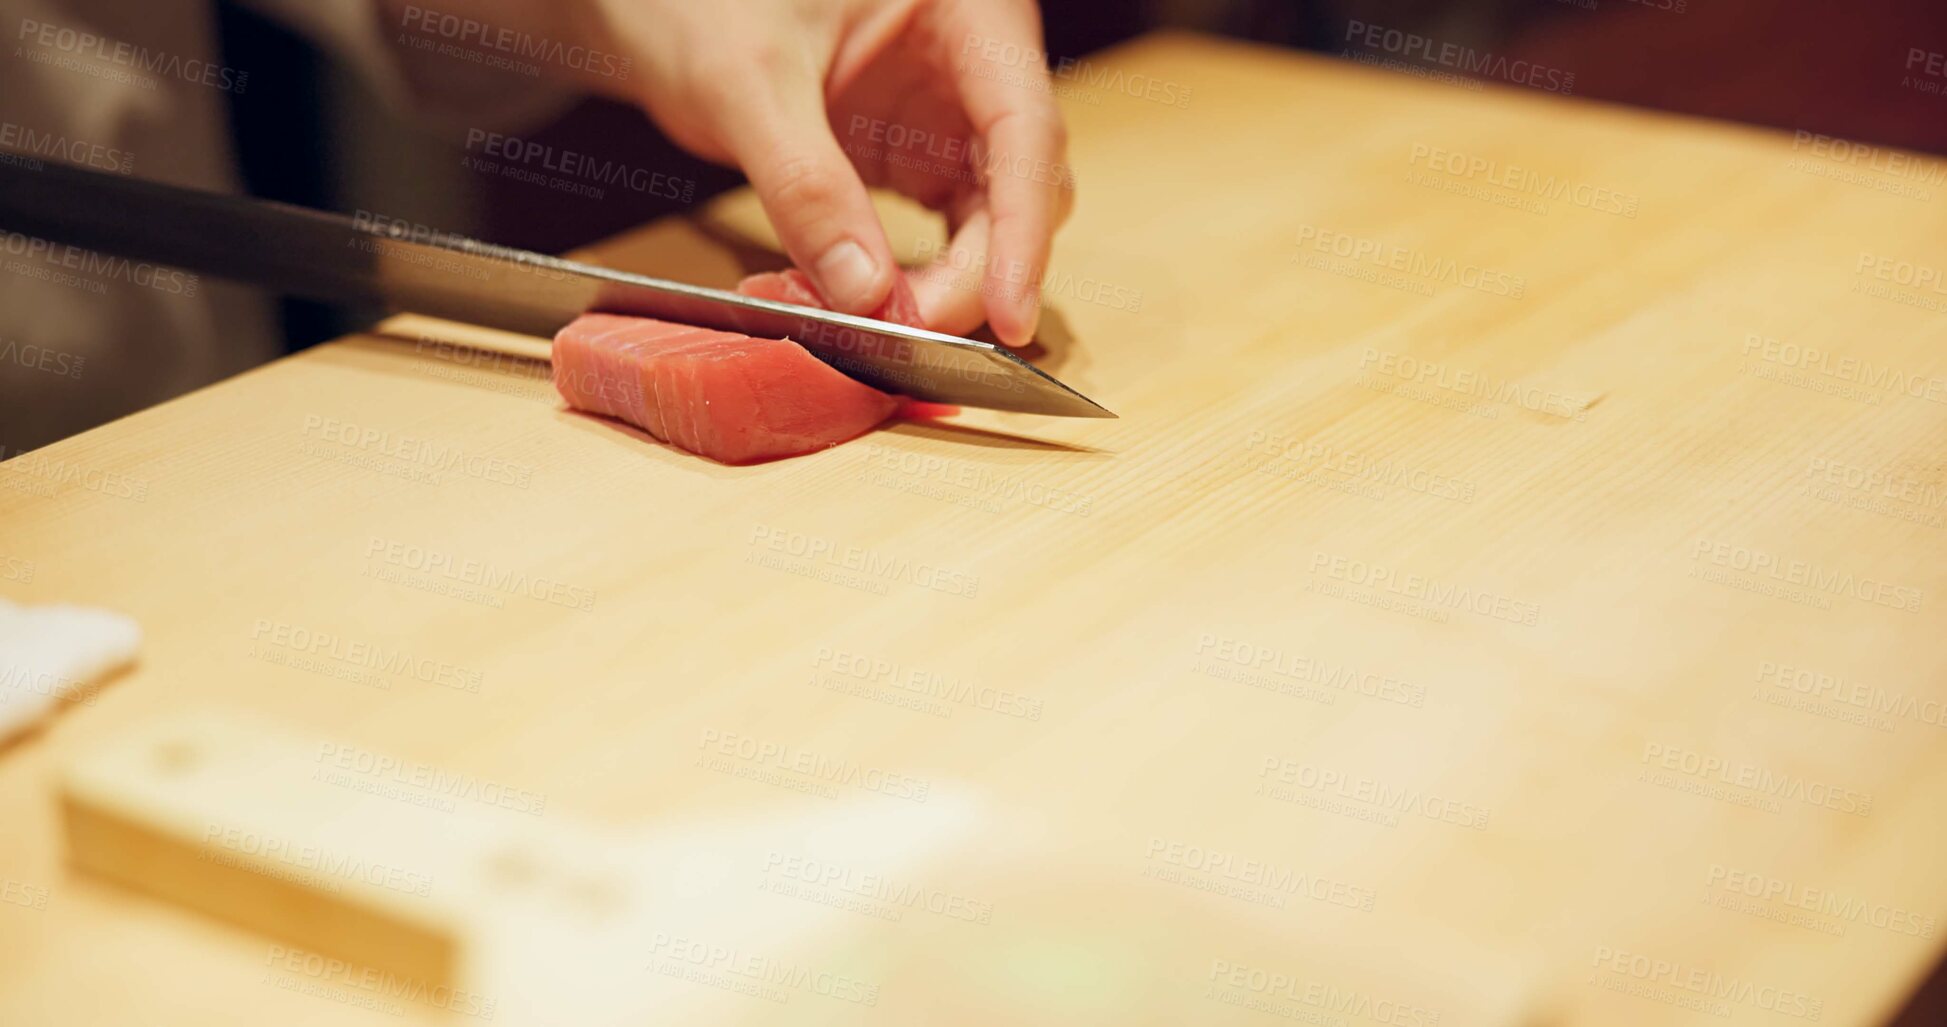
(1583, 596)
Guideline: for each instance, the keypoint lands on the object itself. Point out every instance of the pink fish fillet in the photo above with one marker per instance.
(731, 397)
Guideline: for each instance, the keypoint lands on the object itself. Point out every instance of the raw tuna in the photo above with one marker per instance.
(900, 307)
(726, 396)
(734, 398)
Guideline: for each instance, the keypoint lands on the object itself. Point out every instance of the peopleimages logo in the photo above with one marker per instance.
(813, 765)
(1739, 774)
(1820, 901)
(998, 55)
(48, 474)
(1721, 990)
(1413, 46)
(1760, 563)
(1387, 471)
(27, 143)
(355, 653)
(1292, 997)
(1921, 278)
(1833, 697)
(890, 674)
(440, 566)
(1245, 877)
(1410, 261)
(98, 269)
(1381, 796)
(353, 762)
(87, 45)
(20, 893)
(1844, 368)
(877, 888)
(746, 972)
(942, 154)
(572, 167)
(1436, 594)
(1223, 650)
(379, 983)
(471, 32)
(1526, 181)
(40, 358)
(432, 456)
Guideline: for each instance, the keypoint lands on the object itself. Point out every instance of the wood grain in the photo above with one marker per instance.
(1481, 569)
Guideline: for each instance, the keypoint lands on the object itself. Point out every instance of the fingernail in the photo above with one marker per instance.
(846, 273)
(1030, 308)
(1023, 304)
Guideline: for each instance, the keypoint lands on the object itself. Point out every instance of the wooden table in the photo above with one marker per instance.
(1512, 593)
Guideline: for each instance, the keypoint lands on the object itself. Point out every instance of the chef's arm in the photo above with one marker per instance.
(733, 81)
(759, 84)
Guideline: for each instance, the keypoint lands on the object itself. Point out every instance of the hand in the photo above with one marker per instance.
(817, 99)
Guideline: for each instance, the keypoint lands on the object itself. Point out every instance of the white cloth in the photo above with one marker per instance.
(51, 654)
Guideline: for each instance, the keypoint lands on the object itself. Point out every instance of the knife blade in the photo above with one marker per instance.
(329, 256)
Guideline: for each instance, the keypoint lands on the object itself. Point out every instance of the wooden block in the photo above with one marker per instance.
(227, 816)
(485, 911)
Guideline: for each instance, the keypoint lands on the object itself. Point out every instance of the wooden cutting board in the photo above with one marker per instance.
(1512, 594)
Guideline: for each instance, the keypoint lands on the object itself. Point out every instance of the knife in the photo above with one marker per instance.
(329, 256)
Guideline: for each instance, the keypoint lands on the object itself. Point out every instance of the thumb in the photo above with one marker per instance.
(818, 204)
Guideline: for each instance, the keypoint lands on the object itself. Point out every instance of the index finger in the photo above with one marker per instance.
(1024, 146)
